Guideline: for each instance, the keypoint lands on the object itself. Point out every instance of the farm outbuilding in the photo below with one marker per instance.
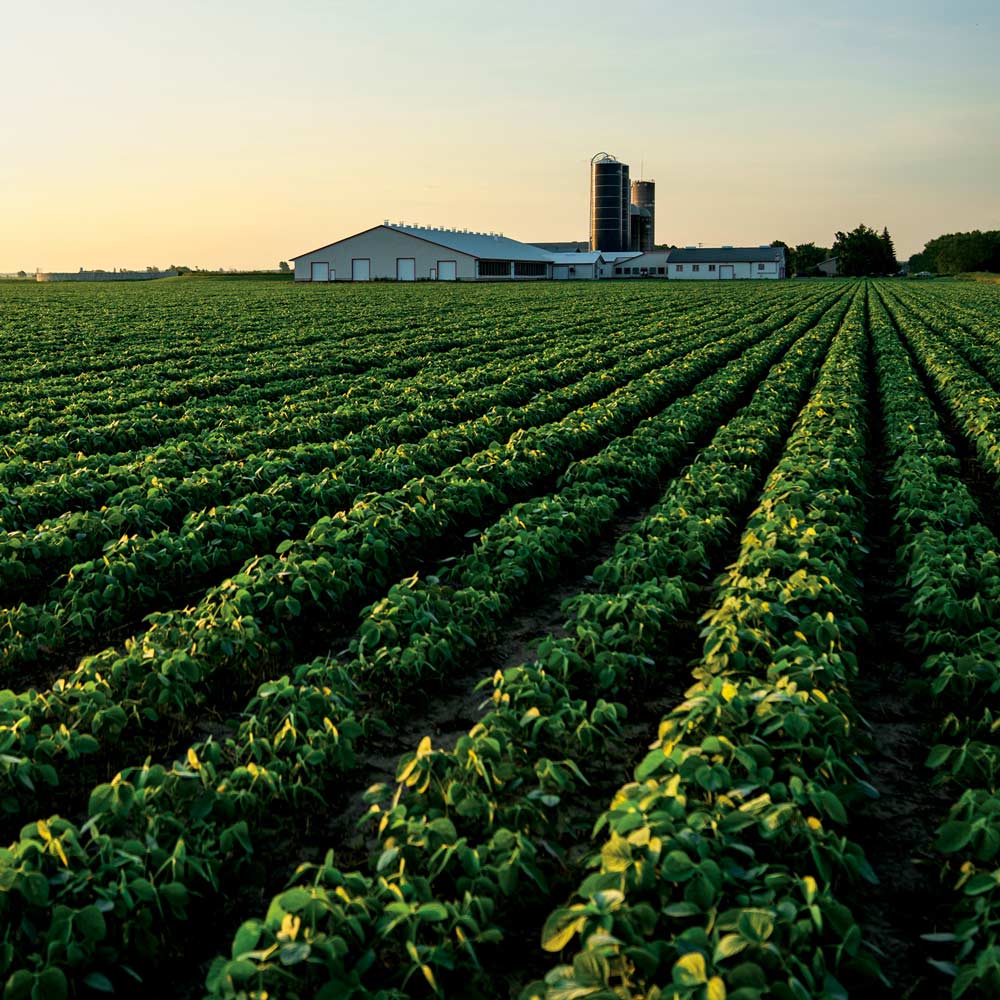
(726, 263)
(397, 252)
(576, 266)
(643, 265)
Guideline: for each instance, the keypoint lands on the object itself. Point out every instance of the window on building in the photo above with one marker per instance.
(678, 267)
(711, 267)
(660, 270)
(760, 267)
(494, 269)
(696, 267)
(618, 270)
(529, 268)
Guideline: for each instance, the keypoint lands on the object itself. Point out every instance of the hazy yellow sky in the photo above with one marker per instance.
(239, 135)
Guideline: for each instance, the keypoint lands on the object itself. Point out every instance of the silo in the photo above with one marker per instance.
(640, 229)
(644, 197)
(609, 203)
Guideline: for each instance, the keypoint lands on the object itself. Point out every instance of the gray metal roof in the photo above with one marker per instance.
(610, 256)
(582, 257)
(481, 245)
(657, 257)
(727, 255)
(566, 246)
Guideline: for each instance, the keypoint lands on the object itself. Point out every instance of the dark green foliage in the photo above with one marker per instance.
(955, 253)
(863, 252)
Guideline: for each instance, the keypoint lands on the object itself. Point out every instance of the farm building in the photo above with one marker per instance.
(642, 265)
(394, 252)
(726, 263)
(592, 264)
(576, 265)
(408, 253)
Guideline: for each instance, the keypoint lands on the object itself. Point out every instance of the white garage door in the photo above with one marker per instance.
(447, 270)
(406, 269)
(361, 270)
(560, 272)
(320, 271)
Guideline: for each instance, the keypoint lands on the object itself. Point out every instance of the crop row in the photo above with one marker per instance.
(403, 411)
(248, 622)
(220, 344)
(468, 835)
(79, 480)
(949, 566)
(136, 572)
(971, 399)
(980, 351)
(970, 320)
(379, 360)
(102, 474)
(145, 424)
(276, 746)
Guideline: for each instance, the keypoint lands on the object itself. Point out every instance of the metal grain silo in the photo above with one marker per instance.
(644, 198)
(609, 203)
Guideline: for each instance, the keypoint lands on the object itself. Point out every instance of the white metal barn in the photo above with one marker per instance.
(642, 265)
(576, 265)
(726, 263)
(410, 253)
(611, 260)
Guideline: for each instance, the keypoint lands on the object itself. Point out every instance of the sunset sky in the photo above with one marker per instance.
(239, 135)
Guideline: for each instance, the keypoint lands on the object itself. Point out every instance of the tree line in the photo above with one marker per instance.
(860, 252)
(954, 253)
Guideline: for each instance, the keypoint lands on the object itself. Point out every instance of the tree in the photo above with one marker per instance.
(957, 252)
(283, 266)
(22, 274)
(807, 256)
(862, 252)
(888, 252)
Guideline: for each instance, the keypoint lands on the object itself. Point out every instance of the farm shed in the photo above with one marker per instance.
(613, 259)
(569, 266)
(409, 253)
(726, 263)
(643, 265)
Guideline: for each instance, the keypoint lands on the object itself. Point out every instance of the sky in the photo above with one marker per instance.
(238, 135)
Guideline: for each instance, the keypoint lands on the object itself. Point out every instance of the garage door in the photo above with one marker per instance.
(560, 272)
(361, 270)
(406, 269)
(320, 271)
(725, 272)
(447, 270)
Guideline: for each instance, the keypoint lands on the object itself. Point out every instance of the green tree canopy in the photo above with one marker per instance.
(956, 252)
(863, 251)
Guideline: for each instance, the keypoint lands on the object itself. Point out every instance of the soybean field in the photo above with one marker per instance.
(568, 641)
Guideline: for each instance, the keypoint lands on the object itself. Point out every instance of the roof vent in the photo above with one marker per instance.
(690, 248)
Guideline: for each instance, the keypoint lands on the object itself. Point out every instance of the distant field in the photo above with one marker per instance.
(550, 640)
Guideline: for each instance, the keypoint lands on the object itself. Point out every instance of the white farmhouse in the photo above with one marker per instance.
(397, 252)
(726, 263)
